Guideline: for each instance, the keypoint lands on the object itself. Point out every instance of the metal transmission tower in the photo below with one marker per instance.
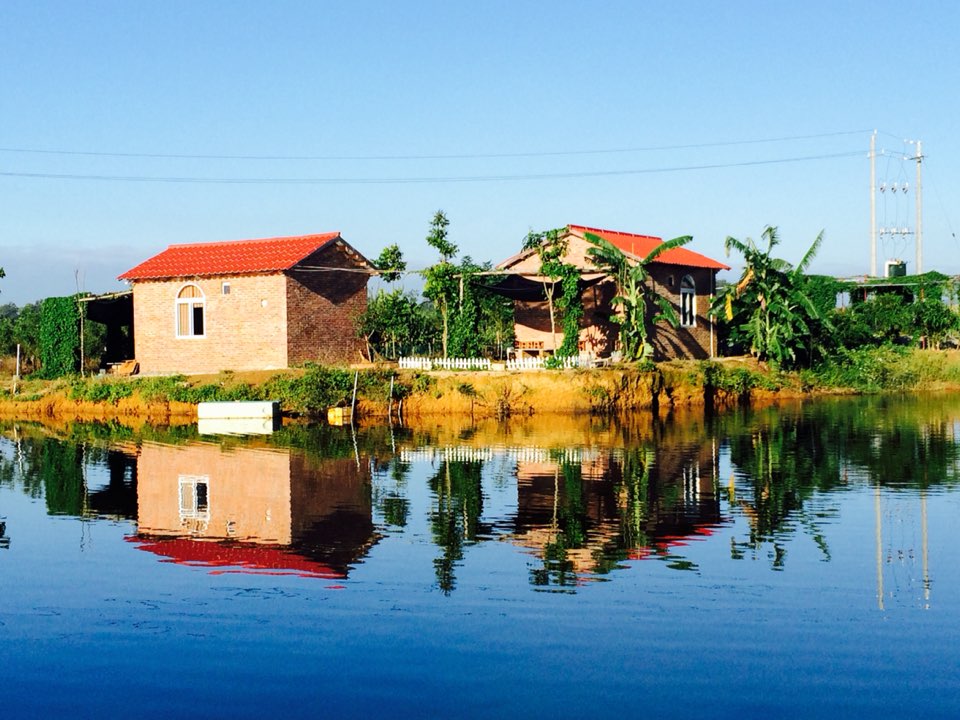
(918, 196)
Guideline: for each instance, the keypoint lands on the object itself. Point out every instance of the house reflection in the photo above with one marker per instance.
(582, 515)
(254, 509)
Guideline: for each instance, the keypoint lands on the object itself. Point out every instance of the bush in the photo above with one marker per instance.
(313, 392)
(868, 369)
(99, 390)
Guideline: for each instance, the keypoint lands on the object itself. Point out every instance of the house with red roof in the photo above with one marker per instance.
(686, 278)
(248, 304)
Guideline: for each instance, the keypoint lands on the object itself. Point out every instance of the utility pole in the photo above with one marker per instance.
(873, 204)
(919, 196)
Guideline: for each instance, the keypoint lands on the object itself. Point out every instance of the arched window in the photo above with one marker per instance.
(190, 302)
(688, 302)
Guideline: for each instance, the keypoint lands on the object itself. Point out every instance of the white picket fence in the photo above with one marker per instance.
(425, 363)
(522, 363)
(536, 363)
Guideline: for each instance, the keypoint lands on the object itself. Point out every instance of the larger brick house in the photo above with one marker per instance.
(686, 278)
(248, 305)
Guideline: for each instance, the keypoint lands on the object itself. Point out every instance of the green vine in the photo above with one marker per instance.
(59, 336)
(570, 305)
(551, 246)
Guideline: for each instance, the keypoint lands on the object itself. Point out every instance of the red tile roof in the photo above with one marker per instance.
(229, 258)
(235, 557)
(641, 245)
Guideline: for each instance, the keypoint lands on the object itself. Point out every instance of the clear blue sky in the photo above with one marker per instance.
(533, 83)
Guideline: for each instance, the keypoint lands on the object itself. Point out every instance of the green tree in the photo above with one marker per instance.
(641, 307)
(390, 263)
(395, 324)
(441, 282)
(26, 332)
(551, 246)
(934, 321)
(481, 320)
(769, 310)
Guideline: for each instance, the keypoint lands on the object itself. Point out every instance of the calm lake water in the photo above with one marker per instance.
(789, 562)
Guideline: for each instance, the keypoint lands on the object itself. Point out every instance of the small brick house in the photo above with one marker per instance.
(248, 305)
(686, 278)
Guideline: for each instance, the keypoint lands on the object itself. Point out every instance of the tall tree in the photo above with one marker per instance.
(769, 309)
(635, 297)
(441, 282)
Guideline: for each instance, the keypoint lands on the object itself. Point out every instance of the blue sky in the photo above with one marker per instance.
(374, 92)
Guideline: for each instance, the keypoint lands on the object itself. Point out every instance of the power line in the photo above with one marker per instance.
(407, 157)
(421, 180)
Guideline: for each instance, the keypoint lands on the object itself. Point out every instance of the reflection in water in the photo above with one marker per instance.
(580, 498)
(271, 510)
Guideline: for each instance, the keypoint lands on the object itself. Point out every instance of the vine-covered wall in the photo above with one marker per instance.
(59, 336)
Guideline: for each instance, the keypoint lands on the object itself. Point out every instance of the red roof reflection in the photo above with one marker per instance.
(235, 557)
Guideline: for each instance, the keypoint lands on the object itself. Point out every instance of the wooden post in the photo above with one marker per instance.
(353, 401)
(80, 312)
(16, 376)
(390, 403)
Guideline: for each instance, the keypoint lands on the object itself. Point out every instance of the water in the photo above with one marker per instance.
(785, 562)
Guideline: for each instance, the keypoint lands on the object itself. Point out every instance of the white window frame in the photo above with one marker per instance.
(191, 508)
(688, 302)
(193, 303)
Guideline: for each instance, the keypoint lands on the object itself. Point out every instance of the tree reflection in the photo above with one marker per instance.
(392, 503)
(455, 516)
(567, 529)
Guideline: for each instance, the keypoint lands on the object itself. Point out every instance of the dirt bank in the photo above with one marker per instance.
(470, 395)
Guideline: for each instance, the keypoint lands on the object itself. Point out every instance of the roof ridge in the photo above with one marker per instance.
(614, 232)
(258, 240)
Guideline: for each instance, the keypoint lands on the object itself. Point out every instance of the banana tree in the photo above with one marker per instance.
(769, 309)
(635, 297)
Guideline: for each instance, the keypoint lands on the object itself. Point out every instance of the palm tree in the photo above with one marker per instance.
(634, 294)
(769, 308)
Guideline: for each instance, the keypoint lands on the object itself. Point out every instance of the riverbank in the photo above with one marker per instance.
(308, 392)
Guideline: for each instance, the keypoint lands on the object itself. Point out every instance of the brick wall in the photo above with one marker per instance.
(243, 330)
(683, 342)
(322, 309)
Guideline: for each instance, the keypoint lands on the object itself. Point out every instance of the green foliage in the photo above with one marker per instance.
(422, 384)
(570, 305)
(395, 324)
(934, 321)
(551, 247)
(641, 307)
(99, 389)
(482, 321)
(59, 336)
(733, 380)
(26, 332)
(313, 392)
(440, 280)
(437, 237)
(892, 316)
(770, 310)
(390, 263)
(867, 369)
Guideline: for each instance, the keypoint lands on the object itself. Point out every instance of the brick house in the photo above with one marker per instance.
(248, 305)
(686, 278)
